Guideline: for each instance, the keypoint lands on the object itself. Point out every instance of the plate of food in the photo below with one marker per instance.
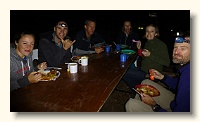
(75, 58)
(128, 52)
(147, 89)
(49, 75)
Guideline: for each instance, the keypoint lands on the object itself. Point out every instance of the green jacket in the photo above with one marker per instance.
(158, 58)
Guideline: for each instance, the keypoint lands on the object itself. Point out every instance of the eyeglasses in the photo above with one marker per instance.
(181, 40)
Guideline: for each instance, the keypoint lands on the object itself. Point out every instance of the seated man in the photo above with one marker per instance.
(54, 47)
(87, 40)
(177, 101)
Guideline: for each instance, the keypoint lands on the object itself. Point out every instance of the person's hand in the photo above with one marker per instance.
(99, 50)
(157, 74)
(42, 66)
(138, 44)
(67, 43)
(146, 53)
(147, 99)
(34, 77)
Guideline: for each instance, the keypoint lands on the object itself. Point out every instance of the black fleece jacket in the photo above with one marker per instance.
(49, 52)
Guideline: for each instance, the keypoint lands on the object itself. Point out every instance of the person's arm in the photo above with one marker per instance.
(170, 82)
(23, 81)
(81, 52)
(83, 46)
(16, 83)
(100, 44)
(151, 102)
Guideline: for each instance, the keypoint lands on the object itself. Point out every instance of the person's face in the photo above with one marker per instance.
(90, 28)
(150, 32)
(25, 45)
(181, 53)
(127, 26)
(61, 31)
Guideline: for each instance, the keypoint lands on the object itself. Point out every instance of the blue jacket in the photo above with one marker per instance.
(181, 102)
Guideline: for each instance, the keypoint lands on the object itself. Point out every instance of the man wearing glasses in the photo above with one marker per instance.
(175, 99)
(54, 47)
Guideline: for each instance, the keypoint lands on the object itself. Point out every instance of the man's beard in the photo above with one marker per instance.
(181, 60)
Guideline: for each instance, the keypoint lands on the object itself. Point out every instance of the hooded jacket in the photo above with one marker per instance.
(19, 70)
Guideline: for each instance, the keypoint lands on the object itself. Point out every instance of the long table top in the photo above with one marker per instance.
(85, 91)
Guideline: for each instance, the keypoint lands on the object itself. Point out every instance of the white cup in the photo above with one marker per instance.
(73, 67)
(83, 61)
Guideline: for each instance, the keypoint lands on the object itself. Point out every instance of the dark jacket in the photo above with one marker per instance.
(127, 40)
(158, 58)
(49, 52)
(83, 45)
(181, 102)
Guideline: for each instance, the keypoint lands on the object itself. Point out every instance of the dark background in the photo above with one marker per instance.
(109, 22)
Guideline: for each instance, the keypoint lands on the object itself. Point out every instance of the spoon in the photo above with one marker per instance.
(114, 43)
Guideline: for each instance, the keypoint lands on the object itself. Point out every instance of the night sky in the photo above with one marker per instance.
(109, 22)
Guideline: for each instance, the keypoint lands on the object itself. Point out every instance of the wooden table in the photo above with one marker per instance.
(85, 91)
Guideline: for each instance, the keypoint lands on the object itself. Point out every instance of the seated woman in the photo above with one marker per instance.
(154, 56)
(126, 35)
(21, 66)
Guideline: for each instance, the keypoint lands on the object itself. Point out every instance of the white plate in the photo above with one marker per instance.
(47, 71)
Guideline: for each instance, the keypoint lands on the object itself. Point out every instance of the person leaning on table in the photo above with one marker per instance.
(54, 47)
(88, 41)
(168, 101)
(21, 66)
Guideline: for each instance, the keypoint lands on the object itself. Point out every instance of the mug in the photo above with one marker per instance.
(118, 47)
(140, 52)
(123, 57)
(107, 49)
(73, 67)
(83, 61)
